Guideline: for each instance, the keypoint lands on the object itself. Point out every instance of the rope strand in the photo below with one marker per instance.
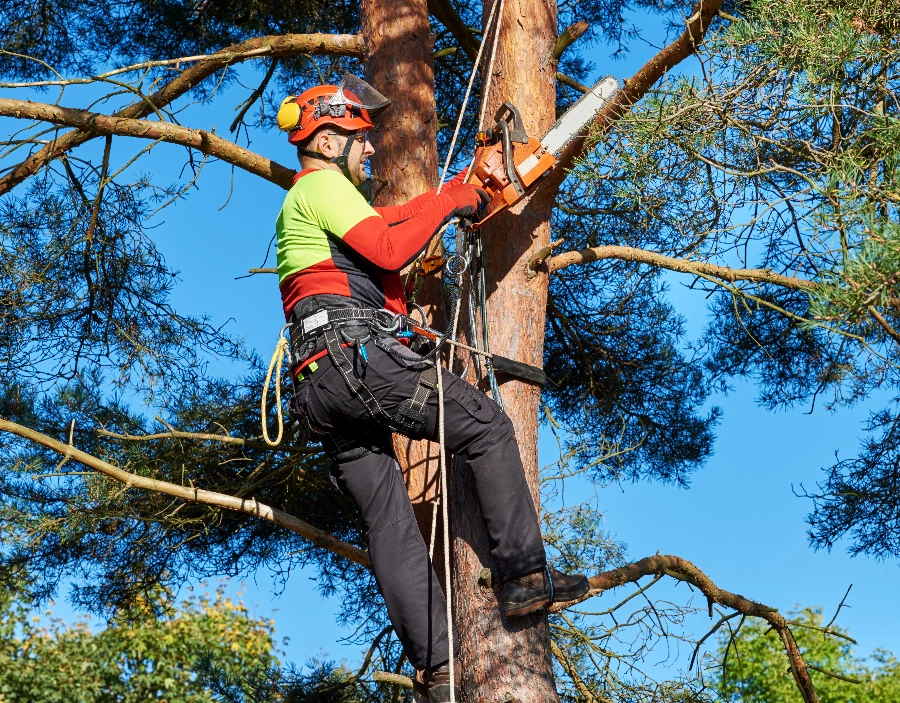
(448, 593)
(462, 110)
(278, 357)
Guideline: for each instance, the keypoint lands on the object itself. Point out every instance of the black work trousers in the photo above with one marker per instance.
(475, 428)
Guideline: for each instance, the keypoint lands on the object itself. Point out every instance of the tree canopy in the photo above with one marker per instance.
(147, 658)
(764, 175)
(754, 668)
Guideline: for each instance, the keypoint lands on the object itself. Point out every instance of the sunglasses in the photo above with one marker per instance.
(362, 135)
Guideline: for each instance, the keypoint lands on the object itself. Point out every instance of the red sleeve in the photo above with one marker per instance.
(392, 248)
(400, 213)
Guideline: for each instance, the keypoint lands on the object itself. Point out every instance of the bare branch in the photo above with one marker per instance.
(885, 325)
(269, 269)
(653, 258)
(571, 82)
(572, 672)
(202, 437)
(254, 96)
(683, 570)
(98, 124)
(194, 495)
(833, 675)
(838, 611)
(271, 46)
(446, 13)
(825, 630)
(399, 680)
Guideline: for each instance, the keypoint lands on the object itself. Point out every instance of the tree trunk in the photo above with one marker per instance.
(498, 657)
(400, 64)
(501, 656)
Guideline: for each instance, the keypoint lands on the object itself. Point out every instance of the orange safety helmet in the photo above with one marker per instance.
(349, 106)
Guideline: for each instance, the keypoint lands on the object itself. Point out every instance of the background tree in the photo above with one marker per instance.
(142, 657)
(755, 666)
(770, 179)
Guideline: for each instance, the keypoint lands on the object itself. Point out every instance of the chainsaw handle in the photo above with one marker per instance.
(517, 134)
(509, 166)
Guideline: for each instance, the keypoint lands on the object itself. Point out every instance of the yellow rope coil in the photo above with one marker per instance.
(277, 360)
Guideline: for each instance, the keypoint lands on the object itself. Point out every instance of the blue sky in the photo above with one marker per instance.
(739, 521)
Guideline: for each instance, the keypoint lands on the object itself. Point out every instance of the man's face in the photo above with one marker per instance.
(360, 152)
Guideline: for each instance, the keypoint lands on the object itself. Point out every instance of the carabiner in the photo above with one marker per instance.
(395, 323)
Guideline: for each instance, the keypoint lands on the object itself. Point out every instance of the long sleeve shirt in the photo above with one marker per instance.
(331, 241)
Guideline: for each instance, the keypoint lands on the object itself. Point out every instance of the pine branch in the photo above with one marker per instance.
(95, 124)
(683, 570)
(194, 495)
(637, 86)
(652, 258)
(271, 46)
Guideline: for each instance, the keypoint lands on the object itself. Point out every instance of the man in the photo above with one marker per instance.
(356, 383)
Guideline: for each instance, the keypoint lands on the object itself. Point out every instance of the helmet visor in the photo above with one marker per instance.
(356, 92)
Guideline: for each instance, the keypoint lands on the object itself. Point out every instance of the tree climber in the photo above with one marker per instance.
(356, 382)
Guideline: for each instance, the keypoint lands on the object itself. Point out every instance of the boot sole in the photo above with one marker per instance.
(574, 594)
(526, 608)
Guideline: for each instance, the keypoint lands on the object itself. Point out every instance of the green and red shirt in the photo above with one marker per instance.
(331, 241)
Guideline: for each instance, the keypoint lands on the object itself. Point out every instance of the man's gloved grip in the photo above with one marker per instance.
(470, 200)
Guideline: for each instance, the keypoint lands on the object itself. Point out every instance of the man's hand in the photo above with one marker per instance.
(470, 200)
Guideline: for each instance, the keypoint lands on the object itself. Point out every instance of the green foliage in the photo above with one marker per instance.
(322, 682)
(756, 670)
(781, 153)
(42, 659)
(118, 543)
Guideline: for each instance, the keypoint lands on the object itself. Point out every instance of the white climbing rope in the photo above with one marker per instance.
(462, 110)
(443, 498)
(445, 516)
(490, 72)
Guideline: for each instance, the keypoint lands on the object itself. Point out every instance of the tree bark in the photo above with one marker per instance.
(501, 656)
(400, 65)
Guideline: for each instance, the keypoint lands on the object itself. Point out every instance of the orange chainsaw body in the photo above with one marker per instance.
(507, 164)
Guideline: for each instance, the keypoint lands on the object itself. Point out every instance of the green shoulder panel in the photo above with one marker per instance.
(320, 202)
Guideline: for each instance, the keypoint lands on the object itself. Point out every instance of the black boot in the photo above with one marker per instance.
(437, 681)
(533, 591)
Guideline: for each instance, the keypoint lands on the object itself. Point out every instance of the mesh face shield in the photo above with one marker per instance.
(357, 93)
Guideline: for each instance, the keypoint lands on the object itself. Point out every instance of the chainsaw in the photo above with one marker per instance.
(508, 164)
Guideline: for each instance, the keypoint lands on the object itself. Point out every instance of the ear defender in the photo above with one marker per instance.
(289, 113)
